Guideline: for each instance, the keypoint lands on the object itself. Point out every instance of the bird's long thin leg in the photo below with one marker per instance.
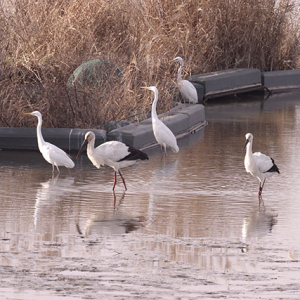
(261, 204)
(52, 169)
(123, 180)
(58, 169)
(263, 184)
(115, 181)
(115, 199)
(259, 189)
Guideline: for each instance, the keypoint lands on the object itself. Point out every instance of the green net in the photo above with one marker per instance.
(94, 72)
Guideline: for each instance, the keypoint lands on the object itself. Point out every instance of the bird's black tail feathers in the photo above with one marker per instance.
(135, 154)
(274, 168)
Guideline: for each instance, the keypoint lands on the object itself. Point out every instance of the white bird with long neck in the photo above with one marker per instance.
(257, 164)
(163, 135)
(186, 88)
(51, 153)
(114, 154)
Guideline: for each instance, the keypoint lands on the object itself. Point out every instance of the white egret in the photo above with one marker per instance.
(51, 153)
(186, 88)
(114, 154)
(257, 164)
(163, 135)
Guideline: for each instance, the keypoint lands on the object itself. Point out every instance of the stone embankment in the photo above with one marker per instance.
(182, 120)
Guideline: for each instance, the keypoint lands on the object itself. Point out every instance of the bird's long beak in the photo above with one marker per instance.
(145, 87)
(83, 145)
(247, 141)
(27, 114)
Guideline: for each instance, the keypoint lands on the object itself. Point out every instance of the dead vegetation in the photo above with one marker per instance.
(43, 42)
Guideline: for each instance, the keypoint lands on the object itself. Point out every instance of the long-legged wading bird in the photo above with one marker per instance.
(114, 154)
(257, 164)
(51, 153)
(163, 135)
(186, 88)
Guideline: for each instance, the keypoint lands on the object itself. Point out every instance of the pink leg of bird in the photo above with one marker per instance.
(263, 184)
(115, 181)
(123, 180)
(261, 187)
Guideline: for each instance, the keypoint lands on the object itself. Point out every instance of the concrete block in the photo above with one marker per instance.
(18, 138)
(65, 138)
(281, 80)
(180, 119)
(195, 114)
(227, 81)
(200, 91)
(176, 122)
(134, 135)
(76, 137)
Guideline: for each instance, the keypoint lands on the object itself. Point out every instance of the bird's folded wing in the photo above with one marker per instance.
(263, 162)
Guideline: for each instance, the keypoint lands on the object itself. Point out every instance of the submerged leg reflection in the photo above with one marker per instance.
(115, 200)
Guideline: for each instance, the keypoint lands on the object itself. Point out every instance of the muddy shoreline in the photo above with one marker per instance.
(114, 268)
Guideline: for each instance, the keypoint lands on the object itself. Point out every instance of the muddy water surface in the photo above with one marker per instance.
(190, 225)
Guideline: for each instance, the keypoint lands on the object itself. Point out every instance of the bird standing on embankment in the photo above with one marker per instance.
(186, 88)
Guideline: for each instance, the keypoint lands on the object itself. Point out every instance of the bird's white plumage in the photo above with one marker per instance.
(186, 88)
(51, 153)
(109, 153)
(258, 164)
(114, 154)
(163, 135)
(263, 162)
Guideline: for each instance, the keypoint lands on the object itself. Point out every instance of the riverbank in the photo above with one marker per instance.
(183, 119)
(236, 81)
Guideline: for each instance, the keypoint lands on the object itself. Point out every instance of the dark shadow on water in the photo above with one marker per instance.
(256, 96)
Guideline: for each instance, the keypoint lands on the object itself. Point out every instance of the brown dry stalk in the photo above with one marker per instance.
(43, 42)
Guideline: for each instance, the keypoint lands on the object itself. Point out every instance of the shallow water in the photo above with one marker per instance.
(190, 225)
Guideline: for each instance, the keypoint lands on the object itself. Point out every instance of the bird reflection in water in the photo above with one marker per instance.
(259, 224)
(261, 203)
(115, 222)
(49, 195)
(116, 206)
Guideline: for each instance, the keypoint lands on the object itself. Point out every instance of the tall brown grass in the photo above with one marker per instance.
(43, 42)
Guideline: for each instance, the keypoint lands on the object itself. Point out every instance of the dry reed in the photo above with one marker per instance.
(43, 42)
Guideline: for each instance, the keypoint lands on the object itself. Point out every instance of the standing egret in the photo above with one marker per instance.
(257, 164)
(114, 154)
(186, 88)
(52, 154)
(163, 135)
